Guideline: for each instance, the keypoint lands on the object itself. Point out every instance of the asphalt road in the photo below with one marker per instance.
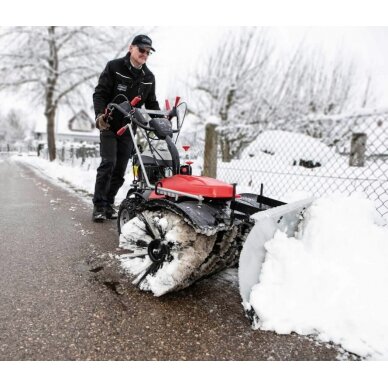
(63, 297)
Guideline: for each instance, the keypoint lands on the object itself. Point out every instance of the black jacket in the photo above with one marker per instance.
(120, 77)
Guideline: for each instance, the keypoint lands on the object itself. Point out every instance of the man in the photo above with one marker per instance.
(123, 78)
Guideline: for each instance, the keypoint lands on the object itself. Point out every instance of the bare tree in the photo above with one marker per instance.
(226, 86)
(248, 84)
(16, 126)
(315, 84)
(55, 65)
(314, 90)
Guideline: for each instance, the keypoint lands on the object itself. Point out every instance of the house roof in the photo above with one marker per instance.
(87, 126)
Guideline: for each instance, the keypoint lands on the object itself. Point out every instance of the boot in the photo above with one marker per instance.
(110, 212)
(99, 214)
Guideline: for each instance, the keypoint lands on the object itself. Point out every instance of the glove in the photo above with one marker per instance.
(101, 123)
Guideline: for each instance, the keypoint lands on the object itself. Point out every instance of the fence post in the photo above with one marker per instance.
(83, 154)
(72, 154)
(357, 150)
(210, 159)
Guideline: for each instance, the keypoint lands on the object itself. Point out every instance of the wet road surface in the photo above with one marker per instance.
(63, 297)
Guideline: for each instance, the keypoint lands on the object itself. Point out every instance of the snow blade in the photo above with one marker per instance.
(285, 218)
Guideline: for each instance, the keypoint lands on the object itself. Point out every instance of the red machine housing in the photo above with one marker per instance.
(197, 185)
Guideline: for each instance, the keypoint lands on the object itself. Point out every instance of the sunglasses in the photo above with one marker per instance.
(144, 51)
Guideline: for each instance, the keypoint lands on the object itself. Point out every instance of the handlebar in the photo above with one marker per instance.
(119, 108)
(131, 115)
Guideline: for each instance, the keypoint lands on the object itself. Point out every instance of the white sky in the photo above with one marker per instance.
(179, 49)
(187, 33)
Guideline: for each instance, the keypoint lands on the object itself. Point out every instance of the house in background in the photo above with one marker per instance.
(80, 128)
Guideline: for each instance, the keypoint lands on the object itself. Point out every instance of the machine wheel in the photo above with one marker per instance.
(127, 210)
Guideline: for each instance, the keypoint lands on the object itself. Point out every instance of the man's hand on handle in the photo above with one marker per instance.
(101, 122)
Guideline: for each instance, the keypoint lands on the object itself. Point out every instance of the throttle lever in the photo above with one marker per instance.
(135, 101)
(122, 130)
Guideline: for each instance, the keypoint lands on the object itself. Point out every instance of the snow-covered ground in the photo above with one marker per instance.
(330, 280)
(78, 176)
(274, 160)
(289, 147)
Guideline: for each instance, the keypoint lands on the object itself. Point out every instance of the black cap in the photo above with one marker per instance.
(142, 41)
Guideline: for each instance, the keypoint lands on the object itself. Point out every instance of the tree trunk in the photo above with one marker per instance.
(50, 117)
(210, 162)
(51, 106)
(225, 150)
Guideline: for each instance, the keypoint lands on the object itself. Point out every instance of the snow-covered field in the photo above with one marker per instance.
(273, 159)
(331, 280)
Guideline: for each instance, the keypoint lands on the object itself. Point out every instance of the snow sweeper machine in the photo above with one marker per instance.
(178, 227)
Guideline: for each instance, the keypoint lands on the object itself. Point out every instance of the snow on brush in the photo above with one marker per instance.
(331, 279)
(188, 252)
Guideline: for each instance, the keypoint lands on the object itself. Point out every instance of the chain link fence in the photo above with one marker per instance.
(319, 155)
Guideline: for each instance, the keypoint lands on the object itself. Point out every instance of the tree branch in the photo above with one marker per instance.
(74, 86)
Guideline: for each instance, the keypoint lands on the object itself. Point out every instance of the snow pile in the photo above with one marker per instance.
(81, 177)
(289, 148)
(330, 280)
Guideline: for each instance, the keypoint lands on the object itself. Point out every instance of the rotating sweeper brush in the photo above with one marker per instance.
(170, 253)
(177, 228)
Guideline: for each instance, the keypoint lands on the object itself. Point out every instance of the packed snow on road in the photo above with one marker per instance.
(330, 280)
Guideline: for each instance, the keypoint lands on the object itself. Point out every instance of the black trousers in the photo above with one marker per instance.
(115, 152)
